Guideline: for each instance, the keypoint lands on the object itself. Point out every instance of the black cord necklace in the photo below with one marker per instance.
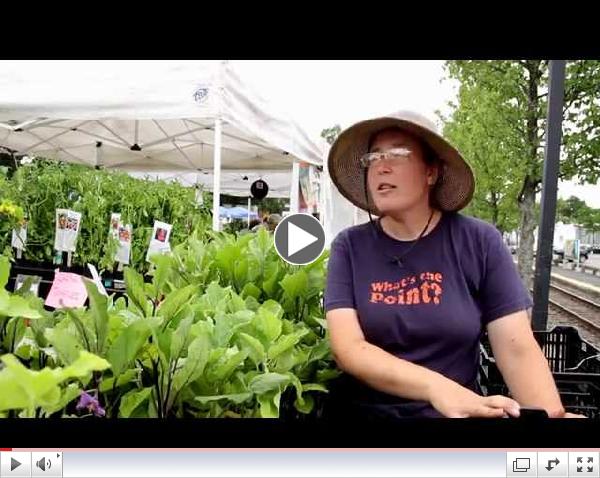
(398, 259)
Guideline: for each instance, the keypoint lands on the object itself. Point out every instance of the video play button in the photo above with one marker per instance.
(15, 464)
(299, 239)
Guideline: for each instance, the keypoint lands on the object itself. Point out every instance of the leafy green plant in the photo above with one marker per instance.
(224, 328)
(44, 186)
(49, 389)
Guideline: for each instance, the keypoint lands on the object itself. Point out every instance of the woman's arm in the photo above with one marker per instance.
(387, 373)
(523, 364)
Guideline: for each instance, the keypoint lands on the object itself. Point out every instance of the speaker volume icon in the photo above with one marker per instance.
(43, 464)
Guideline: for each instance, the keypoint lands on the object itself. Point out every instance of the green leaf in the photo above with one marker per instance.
(314, 387)
(27, 348)
(290, 359)
(236, 304)
(135, 291)
(175, 301)
(4, 271)
(237, 398)
(66, 345)
(98, 308)
(285, 343)
(241, 272)
(180, 338)
(295, 285)
(250, 290)
(84, 332)
(16, 306)
(194, 364)
(268, 382)
(215, 298)
(320, 351)
(83, 366)
(70, 393)
(227, 258)
(124, 378)
(227, 324)
(327, 374)
(255, 349)
(28, 389)
(267, 321)
(272, 273)
(132, 400)
(305, 405)
(269, 404)
(127, 346)
(162, 270)
(227, 365)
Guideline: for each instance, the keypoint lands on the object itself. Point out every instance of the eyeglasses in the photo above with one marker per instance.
(394, 156)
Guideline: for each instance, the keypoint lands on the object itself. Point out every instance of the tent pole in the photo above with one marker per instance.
(217, 175)
(99, 162)
(249, 206)
(295, 189)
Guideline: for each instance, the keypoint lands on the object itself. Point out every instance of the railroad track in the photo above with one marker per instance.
(570, 307)
(576, 305)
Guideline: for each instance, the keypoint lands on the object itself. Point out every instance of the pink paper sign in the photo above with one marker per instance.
(68, 290)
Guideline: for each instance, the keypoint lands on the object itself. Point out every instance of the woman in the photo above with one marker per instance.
(409, 295)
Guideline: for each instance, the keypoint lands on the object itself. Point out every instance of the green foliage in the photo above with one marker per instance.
(44, 186)
(223, 329)
(575, 211)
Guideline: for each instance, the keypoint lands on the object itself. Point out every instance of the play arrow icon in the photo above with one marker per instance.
(550, 466)
(14, 464)
(298, 239)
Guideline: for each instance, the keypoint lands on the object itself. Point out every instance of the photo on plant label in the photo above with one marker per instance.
(72, 223)
(124, 235)
(62, 221)
(161, 235)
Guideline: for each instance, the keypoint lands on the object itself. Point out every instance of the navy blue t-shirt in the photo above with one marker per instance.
(432, 308)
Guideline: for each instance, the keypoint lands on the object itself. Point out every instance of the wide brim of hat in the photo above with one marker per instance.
(453, 190)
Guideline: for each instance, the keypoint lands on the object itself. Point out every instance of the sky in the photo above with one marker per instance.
(319, 94)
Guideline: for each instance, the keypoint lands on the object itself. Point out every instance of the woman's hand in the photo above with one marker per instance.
(455, 401)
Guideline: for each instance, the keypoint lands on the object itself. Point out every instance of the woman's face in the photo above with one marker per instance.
(398, 184)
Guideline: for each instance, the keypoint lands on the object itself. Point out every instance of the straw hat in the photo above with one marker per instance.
(455, 185)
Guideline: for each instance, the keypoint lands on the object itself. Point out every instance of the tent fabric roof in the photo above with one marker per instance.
(145, 116)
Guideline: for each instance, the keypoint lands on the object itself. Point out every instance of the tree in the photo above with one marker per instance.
(479, 130)
(501, 114)
(570, 211)
(330, 134)
(576, 211)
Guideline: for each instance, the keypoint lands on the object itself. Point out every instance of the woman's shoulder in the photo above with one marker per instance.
(474, 233)
(360, 232)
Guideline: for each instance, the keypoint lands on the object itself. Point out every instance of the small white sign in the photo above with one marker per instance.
(124, 250)
(19, 238)
(68, 224)
(159, 241)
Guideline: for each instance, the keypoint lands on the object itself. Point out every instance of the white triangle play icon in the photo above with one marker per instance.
(298, 239)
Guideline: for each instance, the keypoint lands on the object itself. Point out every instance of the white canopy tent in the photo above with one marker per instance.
(155, 117)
